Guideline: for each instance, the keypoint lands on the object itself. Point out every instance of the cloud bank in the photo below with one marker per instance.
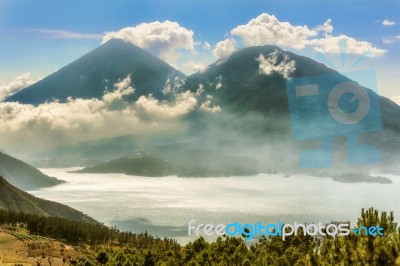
(267, 29)
(176, 45)
(54, 123)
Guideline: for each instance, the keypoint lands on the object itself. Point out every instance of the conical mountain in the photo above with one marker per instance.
(238, 83)
(96, 72)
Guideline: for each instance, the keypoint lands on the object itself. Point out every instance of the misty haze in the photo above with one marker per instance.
(164, 205)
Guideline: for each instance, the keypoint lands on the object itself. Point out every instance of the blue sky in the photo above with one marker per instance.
(40, 37)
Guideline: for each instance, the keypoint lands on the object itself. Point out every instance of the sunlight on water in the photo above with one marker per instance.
(164, 205)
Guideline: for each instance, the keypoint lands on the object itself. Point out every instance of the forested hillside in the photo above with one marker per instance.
(113, 247)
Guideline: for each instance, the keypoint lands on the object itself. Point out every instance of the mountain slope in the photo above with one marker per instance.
(24, 176)
(243, 88)
(255, 117)
(96, 72)
(238, 86)
(11, 198)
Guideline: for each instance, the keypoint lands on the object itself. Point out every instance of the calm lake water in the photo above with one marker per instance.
(164, 205)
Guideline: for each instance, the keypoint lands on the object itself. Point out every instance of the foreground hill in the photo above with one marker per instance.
(14, 199)
(126, 248)
(24, 176)
(18, 247)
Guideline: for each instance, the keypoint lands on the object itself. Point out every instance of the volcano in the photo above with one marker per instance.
(95, 73)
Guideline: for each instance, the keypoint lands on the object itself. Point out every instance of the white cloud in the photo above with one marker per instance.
(224, 48)
(271, 64)
(62, 34)
(392, 39)
(200, 90)
(218, 81)
(330, 45)
(267, 29)
(162, 39)
(389, 23)
(122, 88)
(173, 84)
(327, 27)
(207, 107)
(396, 99)
(152, 108)
(55, 123)
(195, 66)
(207, 46)
(16, 85)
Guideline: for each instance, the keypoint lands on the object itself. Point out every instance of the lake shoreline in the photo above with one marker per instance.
(163, 206)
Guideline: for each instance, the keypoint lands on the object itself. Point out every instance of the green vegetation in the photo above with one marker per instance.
(14, 199)
(112, 247)
(24, 176)
(76, 232)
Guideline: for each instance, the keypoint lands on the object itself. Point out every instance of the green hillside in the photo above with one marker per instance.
(24, 176)
(14, 199)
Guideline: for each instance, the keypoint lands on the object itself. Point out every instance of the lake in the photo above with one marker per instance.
(164, 205)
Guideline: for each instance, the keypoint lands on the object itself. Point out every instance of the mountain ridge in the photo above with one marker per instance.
(14, 199)
(258, 109)
(253, 105)
(23, 175)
